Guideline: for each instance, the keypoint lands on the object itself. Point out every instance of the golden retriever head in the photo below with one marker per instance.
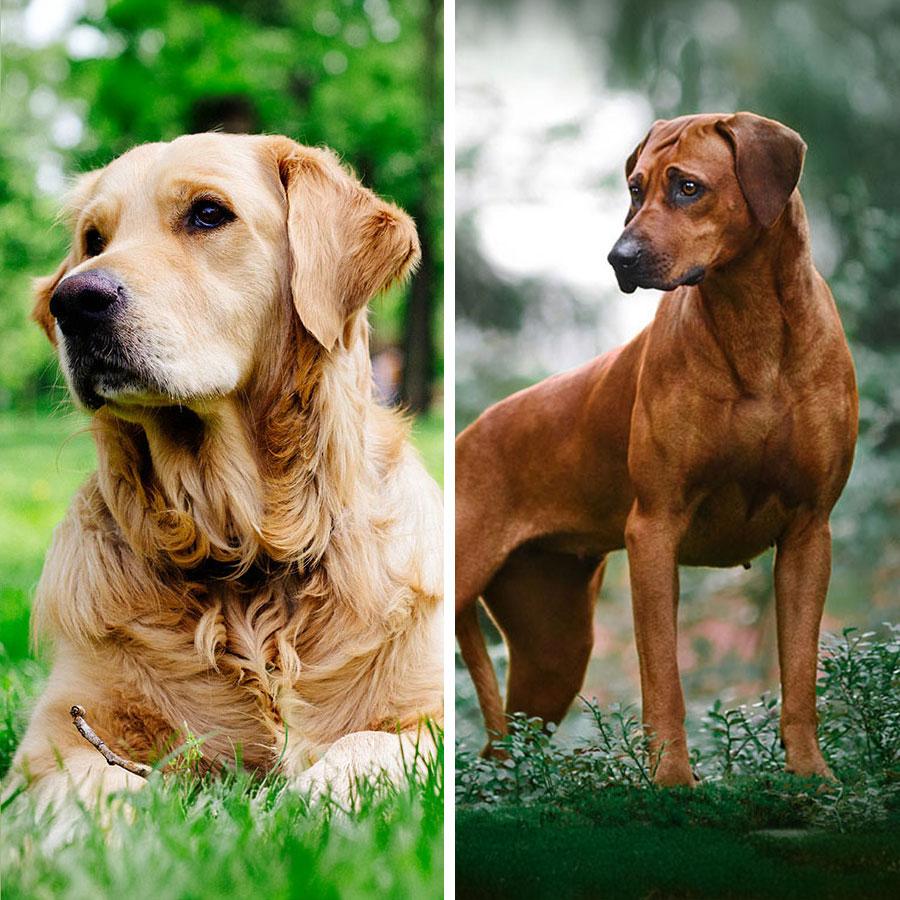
(187, 258)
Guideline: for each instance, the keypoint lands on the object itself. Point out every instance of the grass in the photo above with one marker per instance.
(526, 855)
(235, 836)
(42, 462)
(547, 820)
(187, 838)
(428, 436)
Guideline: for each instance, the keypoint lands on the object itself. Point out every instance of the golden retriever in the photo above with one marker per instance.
(258, 556)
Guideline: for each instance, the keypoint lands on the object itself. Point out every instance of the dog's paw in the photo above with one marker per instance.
(362, 763)
(672, 772)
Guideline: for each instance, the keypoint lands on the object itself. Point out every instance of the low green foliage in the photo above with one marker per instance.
(524, 853)
(566, 819)
(861, 690)
(859, 706)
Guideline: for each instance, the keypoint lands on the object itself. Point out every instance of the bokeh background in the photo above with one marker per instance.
(551, 99)
(84, 80)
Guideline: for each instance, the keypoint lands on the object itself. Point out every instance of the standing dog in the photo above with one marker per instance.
(258, 558)
(725, 427)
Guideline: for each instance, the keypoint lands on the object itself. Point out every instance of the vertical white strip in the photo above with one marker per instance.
(449, 434)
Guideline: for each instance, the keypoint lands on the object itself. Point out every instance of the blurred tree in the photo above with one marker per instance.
(418, 342)
(363, 76)
(28, 246)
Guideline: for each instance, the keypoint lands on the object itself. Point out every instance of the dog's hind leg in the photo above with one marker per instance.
(482, 545)
(475, 655)
(543, 603)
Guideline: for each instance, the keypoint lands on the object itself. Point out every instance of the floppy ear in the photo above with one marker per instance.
(631, 162)
(768, 158)
(43, 288)
(346, 244)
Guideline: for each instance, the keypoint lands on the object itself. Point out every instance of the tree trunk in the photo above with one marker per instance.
(418, 342)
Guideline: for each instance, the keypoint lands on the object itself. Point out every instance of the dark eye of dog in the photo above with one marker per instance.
(635, 192)
(209, 214)
(93, 242)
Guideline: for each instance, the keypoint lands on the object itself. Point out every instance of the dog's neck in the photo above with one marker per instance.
(258, 479)
(760, 308)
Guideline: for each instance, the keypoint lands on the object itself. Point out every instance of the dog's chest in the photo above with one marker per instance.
(233, 677)
(732, 524)
(783, 439)
(763, 459)
(756, 434)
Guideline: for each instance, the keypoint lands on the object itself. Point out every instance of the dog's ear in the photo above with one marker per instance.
(79, 193)
(768, 159)
(43, 289)
(346, 244)
(631, 162)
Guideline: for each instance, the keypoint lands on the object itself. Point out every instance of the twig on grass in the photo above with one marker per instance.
(88, 733)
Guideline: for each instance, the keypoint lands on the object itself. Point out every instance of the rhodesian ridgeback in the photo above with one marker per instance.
(725, 427)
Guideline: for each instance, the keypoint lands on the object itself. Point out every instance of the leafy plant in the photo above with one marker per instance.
(744, 738)
(737, 752)
(860, 693)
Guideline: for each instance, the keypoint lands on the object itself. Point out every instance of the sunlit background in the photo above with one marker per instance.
(551, 99)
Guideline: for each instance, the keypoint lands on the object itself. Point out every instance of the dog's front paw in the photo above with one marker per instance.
(802, 755)
(673, 771)
(807, 767)
(363, 762)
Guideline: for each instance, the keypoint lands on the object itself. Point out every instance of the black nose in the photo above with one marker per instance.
(82, 302)
(625, 254)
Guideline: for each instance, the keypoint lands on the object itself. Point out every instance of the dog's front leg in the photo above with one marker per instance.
(64, 788)
(652, 543)
(802, 571)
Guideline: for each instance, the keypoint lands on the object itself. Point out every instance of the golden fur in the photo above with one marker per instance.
(258, 555)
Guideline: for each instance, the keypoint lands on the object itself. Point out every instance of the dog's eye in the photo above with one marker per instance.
(93, 242)
(209, 214)
(635, 192)
(689, 188)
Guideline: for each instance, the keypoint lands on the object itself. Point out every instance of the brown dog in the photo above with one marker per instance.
(726, 426)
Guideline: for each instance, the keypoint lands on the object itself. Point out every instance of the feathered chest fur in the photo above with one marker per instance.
(277, 673)
(281, 658)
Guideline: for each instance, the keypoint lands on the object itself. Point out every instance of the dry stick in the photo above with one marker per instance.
(88, 733)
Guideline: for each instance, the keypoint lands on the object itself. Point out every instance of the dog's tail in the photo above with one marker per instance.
(475, 655)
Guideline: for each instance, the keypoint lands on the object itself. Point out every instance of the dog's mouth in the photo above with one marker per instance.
(629, 281)
(693, 276)
(103, 372)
